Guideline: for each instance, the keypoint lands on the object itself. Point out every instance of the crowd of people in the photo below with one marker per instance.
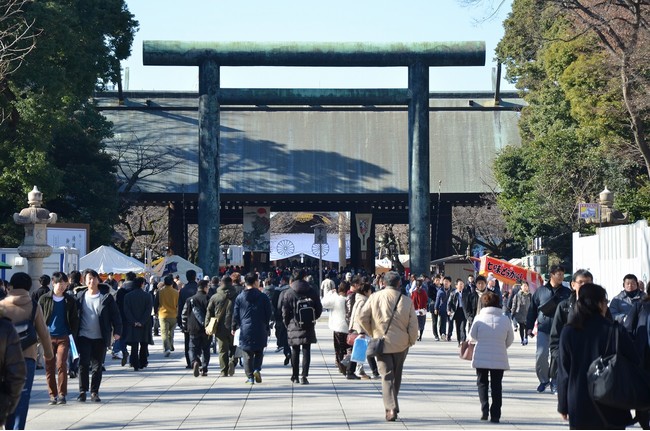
(72, 320)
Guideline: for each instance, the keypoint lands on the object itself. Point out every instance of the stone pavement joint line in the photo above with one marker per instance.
(438, 392)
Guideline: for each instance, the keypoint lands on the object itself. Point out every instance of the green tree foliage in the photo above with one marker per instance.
(53, 136)
(574, 129)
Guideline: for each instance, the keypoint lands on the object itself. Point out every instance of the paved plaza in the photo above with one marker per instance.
(438, 392)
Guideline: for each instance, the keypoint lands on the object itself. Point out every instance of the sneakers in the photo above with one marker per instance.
(304, 381)
(94, 397)
(53, 401)
(167, 353)
(82, 397)
(61, 400)
(364, 376)
(443, 337)
(376, 375)
(250, 381)
(257, 376)
(197, 368)
(117, 355)
(437, 338)
(525, 342)
(553, 387)
(542, 387)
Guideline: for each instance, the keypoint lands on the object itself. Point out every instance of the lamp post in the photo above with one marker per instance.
(302, 258)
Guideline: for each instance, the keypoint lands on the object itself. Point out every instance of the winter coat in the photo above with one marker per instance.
(71, 313)
(359, 302)
(520, 305)
(188, 291)
(578, 349)
(420, 299)
(376, 314)
(119, 298)
(493, 334)
(12, 369)
(110, 321)
(540, 297)
(225, 297)
(17, 307)
(197, 304)
(297, 335)
(335, 303)
(637, 324)
(622, 304)
(562, 315)
(251, 316)
(138, 305)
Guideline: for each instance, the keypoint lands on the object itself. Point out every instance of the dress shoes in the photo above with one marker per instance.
(304, 381)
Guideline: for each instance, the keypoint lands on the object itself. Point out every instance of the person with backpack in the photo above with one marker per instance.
(251, 315)
(221, 307)
(301, 307)
(193, 320)
(28, 320)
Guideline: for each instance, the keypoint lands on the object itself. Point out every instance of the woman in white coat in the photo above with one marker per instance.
(492, 332)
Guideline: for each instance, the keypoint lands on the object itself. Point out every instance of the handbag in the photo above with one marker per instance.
(211, 327)
(352, 335)
(614, 380)
(466, 350)
(376, 345)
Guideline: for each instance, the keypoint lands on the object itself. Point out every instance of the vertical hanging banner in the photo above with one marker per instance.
(364, 222)
(257, 229)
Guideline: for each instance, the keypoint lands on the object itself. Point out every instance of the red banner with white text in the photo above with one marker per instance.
(508, 273)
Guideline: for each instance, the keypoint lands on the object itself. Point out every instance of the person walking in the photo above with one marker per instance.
(194, 316)
(99, 319)
(62, 319)
(363, 294)
(622, 304)
(390, 315)
(440, 309)
(221, 306)
(119, 347)
(19, 307)
(456, 312)
(138, 305)
(542, 309)
(252, 315)
(582, 340)
(166, 302)
(334, 301)
(189, 289)
(420, 302)
(492, 332)
(301, 307)
(520, 305)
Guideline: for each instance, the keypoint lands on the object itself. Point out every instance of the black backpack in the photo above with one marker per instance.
(26, 329)
(304, 313)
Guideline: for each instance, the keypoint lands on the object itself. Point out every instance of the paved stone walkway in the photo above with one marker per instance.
(438, 392)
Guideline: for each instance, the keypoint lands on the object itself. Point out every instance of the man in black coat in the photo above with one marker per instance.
(120, 345)
(542, 309)
(300, 333)
(193, 324)
(138, 306)
(186, 292)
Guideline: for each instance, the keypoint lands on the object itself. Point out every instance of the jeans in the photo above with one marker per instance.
(58, 367)
(92, 353)
(446, 326)
(167, 326)
(542, 366)
(17, 420)
(253, 361)
(306, 359)
(494, 379)
(200, 348)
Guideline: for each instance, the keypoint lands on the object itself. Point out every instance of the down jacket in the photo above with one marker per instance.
(296, 335)
(336, 304)
(492, 332)
(17, 307)
(252, 316)
(376, 314)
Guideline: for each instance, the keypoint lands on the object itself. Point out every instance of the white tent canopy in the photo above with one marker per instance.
(175, 265)
(106, 259)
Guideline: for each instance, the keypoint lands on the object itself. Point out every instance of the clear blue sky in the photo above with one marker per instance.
(305, 20)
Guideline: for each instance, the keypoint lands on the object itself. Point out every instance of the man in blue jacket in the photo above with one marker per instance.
(542, 309)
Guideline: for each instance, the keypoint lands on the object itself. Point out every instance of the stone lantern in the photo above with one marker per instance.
(609, 216)
(34, 247)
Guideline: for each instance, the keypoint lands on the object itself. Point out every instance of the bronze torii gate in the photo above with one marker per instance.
(418, 57)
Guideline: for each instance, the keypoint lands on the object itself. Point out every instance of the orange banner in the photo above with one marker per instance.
(509, 273)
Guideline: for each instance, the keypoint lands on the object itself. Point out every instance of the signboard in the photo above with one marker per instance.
(589, 211)
(508, 273)
(320, 235)
(257, 229)
(69, 235)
